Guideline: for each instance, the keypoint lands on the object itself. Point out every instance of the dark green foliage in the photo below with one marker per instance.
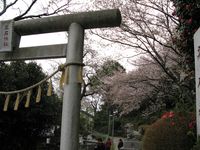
(188, 16)
(187, 13)
(101, 122)
(108, 69)
(23, 129)
(86, 124)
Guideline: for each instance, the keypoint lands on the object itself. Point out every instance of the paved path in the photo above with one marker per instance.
(129, 144)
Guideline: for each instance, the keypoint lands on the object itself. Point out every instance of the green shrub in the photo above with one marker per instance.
(172, 132)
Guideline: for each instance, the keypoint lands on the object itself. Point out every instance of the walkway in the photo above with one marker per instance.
(129, 144)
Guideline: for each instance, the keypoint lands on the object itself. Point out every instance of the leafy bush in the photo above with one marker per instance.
(171, 132)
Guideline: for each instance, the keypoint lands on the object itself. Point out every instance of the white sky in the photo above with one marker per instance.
(43, 39)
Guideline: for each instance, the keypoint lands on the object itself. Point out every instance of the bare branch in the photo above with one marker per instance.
(5, 6)
(175, 20)
(27, 10)
(56, 11)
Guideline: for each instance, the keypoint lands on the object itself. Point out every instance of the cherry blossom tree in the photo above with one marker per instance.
(147, 28)
(152, 30)
(131, 91)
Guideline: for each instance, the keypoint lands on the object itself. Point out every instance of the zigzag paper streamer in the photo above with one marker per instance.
(66, 77)
(5, 108)
(62, 78)
(49, 91)
(38, 97)
(80, 76)
(28, 98)
(17, 102)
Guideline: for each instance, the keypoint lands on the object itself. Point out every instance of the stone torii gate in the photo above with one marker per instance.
(75, 24)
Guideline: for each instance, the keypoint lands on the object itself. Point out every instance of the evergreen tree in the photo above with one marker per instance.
(24, 129)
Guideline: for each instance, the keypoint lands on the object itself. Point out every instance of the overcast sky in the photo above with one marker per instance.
(111, 50)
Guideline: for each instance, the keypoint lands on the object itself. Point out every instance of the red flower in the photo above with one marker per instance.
(164, 116)
(168, 115)
(171, 114)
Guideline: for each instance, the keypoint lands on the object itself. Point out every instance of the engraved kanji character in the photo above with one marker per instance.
(5, 38)
(5, 44)
(6, 32)
(198, 51)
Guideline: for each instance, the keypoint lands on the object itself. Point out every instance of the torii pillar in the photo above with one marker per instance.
(197, 77)
(75, 24)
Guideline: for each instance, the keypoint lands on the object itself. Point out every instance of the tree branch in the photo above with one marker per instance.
(5, 6)
(27, 10)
